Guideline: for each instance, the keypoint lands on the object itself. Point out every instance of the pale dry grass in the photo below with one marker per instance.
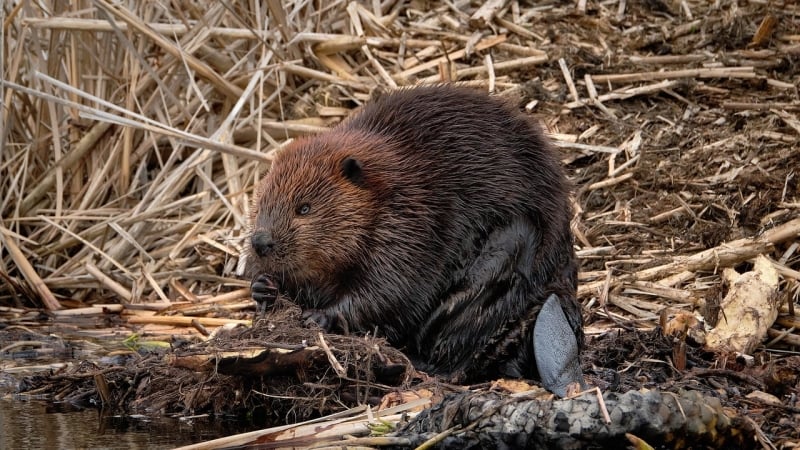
(133, 132)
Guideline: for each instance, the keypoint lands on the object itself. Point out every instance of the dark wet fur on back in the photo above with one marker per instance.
(439, 215)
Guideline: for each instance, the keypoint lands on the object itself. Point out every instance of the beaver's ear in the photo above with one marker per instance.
(352, 170)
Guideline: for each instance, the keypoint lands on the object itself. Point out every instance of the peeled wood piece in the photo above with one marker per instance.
(484, 15)
(254, 362)
(662, 419)
(749, 309)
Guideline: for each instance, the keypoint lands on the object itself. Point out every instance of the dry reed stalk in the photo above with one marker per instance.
(454, 56)
(99, 25)
(133, 132)
(184, 321)
(194, 63)
(28, 271)
(352, 422)
(627, 92)
(504, 66)
(90, 311)
(486, 13)
(724, 72)
(761, 106)
(110, 284)
(668, 59)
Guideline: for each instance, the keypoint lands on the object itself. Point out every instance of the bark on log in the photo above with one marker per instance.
(662, 419)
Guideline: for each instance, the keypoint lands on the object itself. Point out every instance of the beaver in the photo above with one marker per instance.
(438, 216)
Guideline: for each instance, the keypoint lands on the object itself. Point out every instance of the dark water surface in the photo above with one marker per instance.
(42, 425)
(37, 424)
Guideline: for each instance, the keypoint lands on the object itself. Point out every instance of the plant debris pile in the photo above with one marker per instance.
(273, 368)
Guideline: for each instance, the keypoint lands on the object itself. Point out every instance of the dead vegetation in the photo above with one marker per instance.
(132, 134)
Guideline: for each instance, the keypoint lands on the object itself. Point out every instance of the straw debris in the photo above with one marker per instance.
(132, 134)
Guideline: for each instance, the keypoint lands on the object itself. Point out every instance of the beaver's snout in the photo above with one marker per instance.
(262, 243)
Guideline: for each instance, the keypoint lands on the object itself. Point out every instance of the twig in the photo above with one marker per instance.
(337, 367)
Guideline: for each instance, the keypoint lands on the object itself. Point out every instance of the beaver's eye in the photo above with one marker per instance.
(303, 209)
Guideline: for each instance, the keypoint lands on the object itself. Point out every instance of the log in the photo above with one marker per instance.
(662, 419)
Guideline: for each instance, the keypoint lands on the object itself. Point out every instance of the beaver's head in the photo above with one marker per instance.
(313, 212)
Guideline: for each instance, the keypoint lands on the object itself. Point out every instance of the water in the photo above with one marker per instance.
(36, 424)
(43, 425)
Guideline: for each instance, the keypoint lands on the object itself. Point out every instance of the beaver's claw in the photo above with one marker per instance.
(329, 321)
(319, 318)
(264, 292)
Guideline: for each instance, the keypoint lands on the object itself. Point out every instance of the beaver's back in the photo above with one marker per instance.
(460, 139)
(468, 158)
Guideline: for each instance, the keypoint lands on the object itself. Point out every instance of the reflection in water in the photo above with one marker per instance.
(27, 423)
(36, 424)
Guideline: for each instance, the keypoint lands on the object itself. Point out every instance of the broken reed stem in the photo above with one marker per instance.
(108, 282)
(586, 147)
(610, 181)
(344, 424)
(673, 213)
(483, 44)
(740, 106)
(167, 29)
(185, 321)
(47, 297)
(95, 310)
(341, 372)
(497, 67)
(68, 160)
(668, 59)
(486, 13)
(627, 93)
(568, 78)
(228, 296)
(724, 72)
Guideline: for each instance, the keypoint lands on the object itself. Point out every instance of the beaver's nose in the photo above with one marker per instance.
(262, 243)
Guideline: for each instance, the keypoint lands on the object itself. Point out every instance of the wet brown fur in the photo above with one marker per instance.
(447, 235)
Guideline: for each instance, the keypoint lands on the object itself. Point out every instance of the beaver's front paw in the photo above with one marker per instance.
(264, 292)
(324, 320)
(328, 321)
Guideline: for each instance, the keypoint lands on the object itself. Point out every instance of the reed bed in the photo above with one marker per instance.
(133, 132)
